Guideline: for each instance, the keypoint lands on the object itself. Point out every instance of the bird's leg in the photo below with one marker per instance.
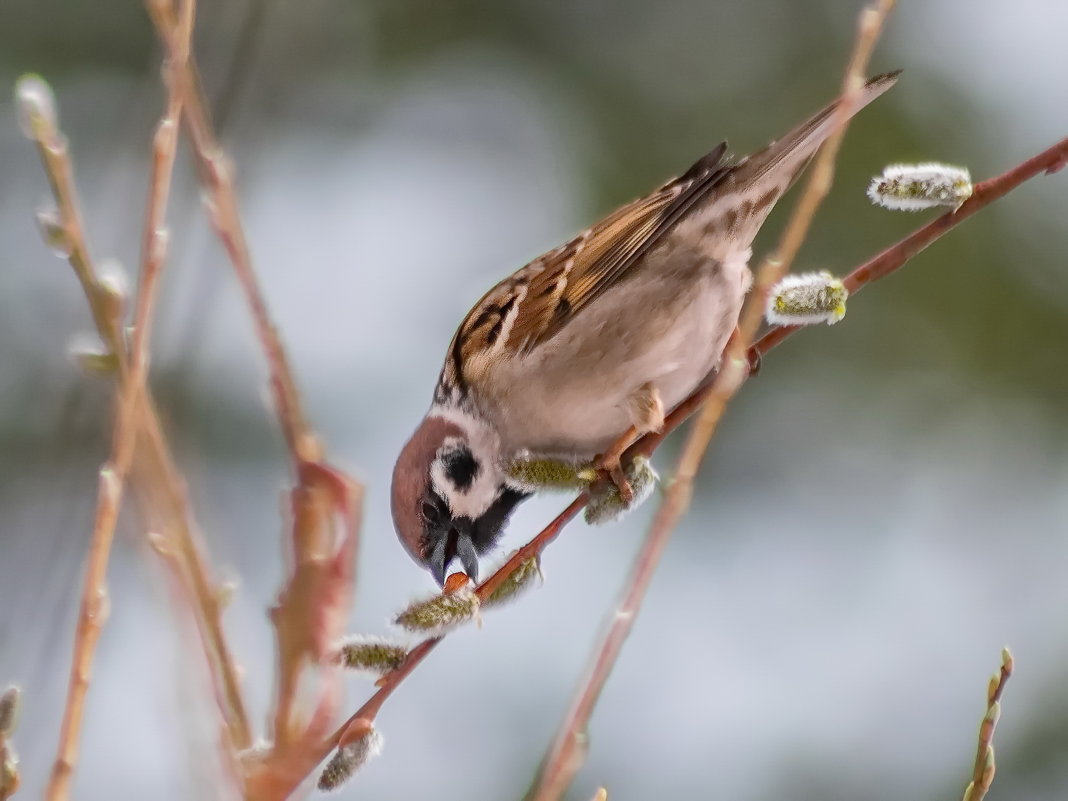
(609, 505)
(646, 412)
(609, 462)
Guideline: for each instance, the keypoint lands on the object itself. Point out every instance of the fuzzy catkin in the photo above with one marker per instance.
(914, 187)
(349, 758)
(369, 655)
(439, 614)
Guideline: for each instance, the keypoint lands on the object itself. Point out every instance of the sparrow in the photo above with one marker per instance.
(582, 350)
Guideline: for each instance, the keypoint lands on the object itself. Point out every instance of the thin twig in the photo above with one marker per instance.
(204, 596)
(56, 161)
(91, 618)
(313, 606)
(217, 176)
(984, 768)
(164, 500)
(10, 779)
(155, 477)
(94, 604)
(316, 598)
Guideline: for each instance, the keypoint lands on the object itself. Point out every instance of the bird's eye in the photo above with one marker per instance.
(430, 512)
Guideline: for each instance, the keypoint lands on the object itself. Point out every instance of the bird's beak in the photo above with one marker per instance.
(456, 543)
(465, 549)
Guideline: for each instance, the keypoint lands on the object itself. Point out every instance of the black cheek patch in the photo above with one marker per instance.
(461, 468)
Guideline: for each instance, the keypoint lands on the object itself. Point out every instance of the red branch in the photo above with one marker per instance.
(894, 257)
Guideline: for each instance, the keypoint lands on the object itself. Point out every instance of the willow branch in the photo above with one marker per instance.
(155, 477)
(94, 603)
(894, 257)
(164, 491)
(10, 779)
(217, 177)
(42, 128)
(891, 259)
(984, 768)
(315, 600)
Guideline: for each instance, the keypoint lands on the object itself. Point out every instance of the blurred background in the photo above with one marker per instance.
(883, 508)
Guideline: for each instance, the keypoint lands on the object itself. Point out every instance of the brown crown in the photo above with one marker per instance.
(411, 475)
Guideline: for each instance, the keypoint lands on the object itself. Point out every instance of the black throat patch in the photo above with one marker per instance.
(488, 529)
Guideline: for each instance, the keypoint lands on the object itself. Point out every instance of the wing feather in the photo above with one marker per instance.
(599, 257)
(531, 306)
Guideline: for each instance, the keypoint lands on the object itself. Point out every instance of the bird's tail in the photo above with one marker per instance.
(790, 153)
(761, 179)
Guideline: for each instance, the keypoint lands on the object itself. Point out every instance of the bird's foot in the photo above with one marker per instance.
(611, 504)
(620, 482)
(646, 411)
(609, 462)
(627, 488)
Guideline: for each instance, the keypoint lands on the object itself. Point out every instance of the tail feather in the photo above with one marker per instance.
(749, 190)
(794, 150)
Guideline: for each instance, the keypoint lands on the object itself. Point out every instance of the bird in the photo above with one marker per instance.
(583, 349)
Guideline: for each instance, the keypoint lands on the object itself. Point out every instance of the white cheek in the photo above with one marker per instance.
(440, 482)
(471, 502)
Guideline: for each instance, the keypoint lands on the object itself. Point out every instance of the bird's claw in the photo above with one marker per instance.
(612, 503)
(621, 482)
(627, 487)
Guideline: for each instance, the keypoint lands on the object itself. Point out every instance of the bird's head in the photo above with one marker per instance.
(450, 499)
